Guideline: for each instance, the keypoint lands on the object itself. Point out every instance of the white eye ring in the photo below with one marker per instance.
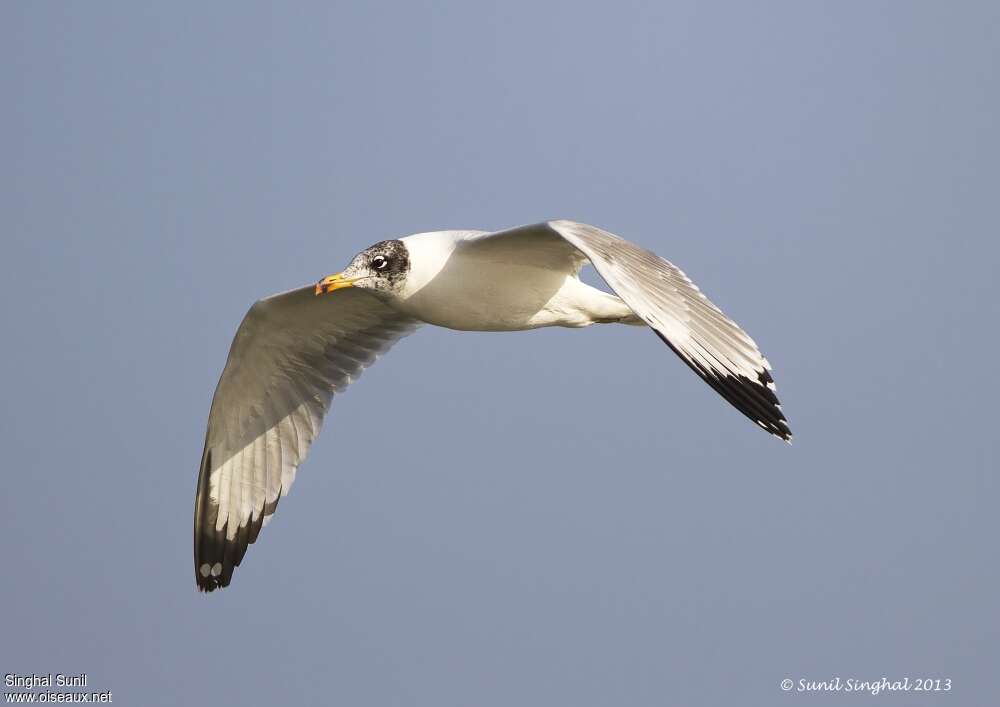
(379, 262)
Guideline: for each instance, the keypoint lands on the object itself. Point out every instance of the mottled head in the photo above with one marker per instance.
(381, 268)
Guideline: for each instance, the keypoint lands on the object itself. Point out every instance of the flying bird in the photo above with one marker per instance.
(294, 351)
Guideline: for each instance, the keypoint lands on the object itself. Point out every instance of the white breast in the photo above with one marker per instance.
(477, 290)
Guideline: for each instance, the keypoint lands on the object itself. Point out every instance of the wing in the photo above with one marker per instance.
(714, 346)
(291, 354)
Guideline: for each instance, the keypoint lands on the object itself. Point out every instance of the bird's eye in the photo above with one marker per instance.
(379, 262)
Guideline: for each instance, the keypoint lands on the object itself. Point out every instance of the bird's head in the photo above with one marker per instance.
(381, 268)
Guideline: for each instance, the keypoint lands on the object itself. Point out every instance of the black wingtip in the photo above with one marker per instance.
(216, 555)
(754, 398)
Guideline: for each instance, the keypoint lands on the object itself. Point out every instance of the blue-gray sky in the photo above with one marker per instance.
(551, 517)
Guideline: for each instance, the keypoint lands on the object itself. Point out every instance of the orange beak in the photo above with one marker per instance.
(332, 283)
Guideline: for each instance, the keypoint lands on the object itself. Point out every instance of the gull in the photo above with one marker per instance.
(294, 351)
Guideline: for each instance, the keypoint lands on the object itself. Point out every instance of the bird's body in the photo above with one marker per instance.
(498, 287)
(296, 350)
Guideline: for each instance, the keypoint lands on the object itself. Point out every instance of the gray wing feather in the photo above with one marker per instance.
(663, 297)
(292, 353)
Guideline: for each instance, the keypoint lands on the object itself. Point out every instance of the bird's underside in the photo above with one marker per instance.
(294, 351)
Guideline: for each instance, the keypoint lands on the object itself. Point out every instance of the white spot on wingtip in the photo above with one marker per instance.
(216, 569)
(205, 570)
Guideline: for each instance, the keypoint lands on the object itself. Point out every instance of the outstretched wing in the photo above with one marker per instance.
(713, 345)
(291, 354)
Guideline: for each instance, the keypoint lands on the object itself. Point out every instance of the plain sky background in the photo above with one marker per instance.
(557, 517)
